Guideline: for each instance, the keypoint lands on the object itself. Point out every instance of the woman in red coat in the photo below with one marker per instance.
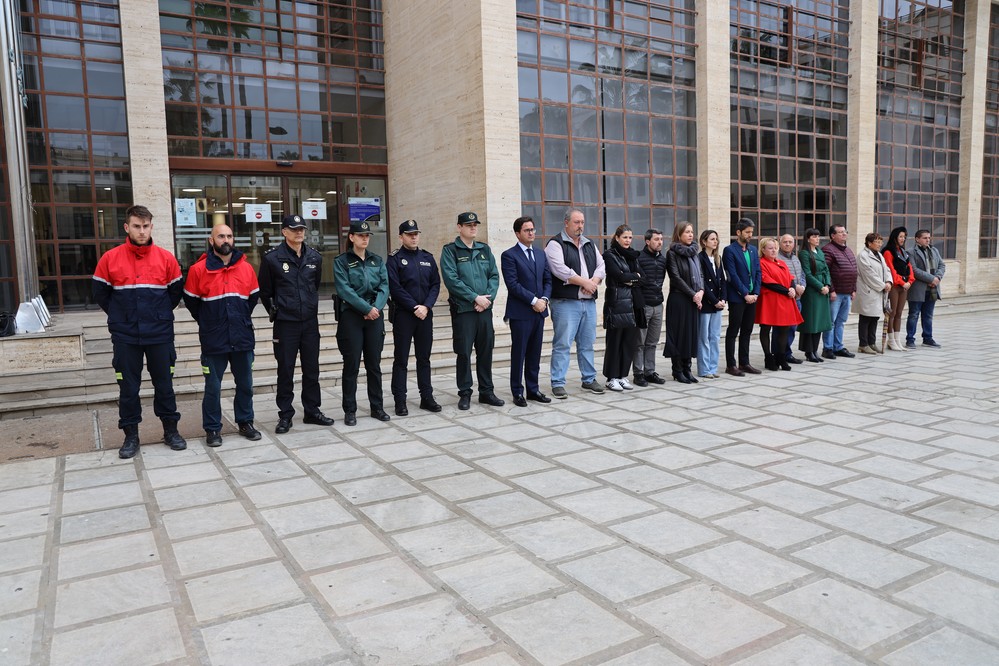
(902, 277)
(776, 306)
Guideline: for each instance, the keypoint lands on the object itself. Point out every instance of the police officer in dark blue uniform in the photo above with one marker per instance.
(289, 291)
(414, 284)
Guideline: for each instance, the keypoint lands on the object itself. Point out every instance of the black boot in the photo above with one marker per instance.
(171, 437)
(769, 362)
(691, 379)
(131, 444)
(784, 364)
(678, 371)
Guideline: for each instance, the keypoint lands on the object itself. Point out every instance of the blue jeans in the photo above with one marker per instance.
(790, 338)
(920, 310)
(708, 339)
(839, 310)
(573, 320)
(213, 367)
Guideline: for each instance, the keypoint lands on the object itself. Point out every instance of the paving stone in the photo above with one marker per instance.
(604, 505)
(24, 523)
(23, 553)
(103, 596)
(959, 599)
(744, 568)
(965, 444)
(860, 561)
(327, 452)
(771, 528)
(856, 618)
(899, 449)
(466, 486)
(306, 516)
(727, 475)
(345, 470)
(832, 453)
(449, 542)
(983, 468)
(393, 453)
(682, 616)
(278, 638)
(477, 447)
(643, 479)
(769, 437)
(593, 460)
(963, 552)
(513, 463)
(575, 628)
(622, 573)
(836, 434)
(666, 533)
(205, 520)
(964, 516)
(28, 473)
(154, 638)
(507, 509)
(793, 497)
(749, 454)
(627, 442)
(499, 659)
(318, 550)
(235, 457)
(101, 497)
(498, 579)
(558, 537)
(430, 632)
(873, 523)
(696, 439)
(276, 493)
(899, 470)
(887, 494)
(104, 523)
(370, 585)
(91, 557)
(221, 550)
(25, 498)
(653, 655)
(264, 472)
(945, 646)
(966, 488)
(799, 651)
(19, 591)
(432, 467)
(585, 430)
(240, 590)
(552, 445)
(185, 474)
(375, 489)
(554, 482)
(198, 494)
(101, 476)
(406, 513)
(16, 640)
(699, 500)
(673, 458)
(811, 472)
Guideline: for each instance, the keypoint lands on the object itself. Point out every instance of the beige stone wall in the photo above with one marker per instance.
(452, 117)
(862, 118)
(147, 138)
(714, 144)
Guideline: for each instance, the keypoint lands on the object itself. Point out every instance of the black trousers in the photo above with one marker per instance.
(741, 316)
(867, 331)
(291, 339)
(357, 337)
(619, 352)
(409, 330)
(159, 360)
(474, 329)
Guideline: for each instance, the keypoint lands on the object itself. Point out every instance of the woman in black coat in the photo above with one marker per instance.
(624, 309)
(683, 306)
(709, 321)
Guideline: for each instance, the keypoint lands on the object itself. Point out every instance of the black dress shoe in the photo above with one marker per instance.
(640, 380)
(213, 438)
(750, 370)
(491, 399)
(654, 378)
(318, 419)
(380, 415)
(539, 397)
(350, 418)
(827, 353)
(812, 358)
(464, 402)
(845, 353)
(430, 405)
(247, 430)
(793, 360)
(283, 426)
(520, 401)
(401, 409)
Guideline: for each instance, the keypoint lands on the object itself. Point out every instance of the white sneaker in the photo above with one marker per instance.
(625, 384)
(614, 385)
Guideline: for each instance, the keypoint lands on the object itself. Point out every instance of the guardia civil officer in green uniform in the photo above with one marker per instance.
(362, 289)
(472, 280)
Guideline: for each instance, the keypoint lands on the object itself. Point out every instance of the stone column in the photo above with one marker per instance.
(146, 112)
(452, 118)
(862, 122)
(714, 143)
(971, 273)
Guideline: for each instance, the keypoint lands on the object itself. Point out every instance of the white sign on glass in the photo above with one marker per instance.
(314, 210)
(186, 212)
(258, 213)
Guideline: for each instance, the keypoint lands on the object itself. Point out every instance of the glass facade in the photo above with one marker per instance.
(77, 140)
(989, 231)
(607, 109)
(275, 80)
(8, 273)
(920, 72)
(790, 63)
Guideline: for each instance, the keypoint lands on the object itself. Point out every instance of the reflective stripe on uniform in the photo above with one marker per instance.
(117, 376)
(205, 370)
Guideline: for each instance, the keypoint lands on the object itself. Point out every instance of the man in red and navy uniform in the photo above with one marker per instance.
(138, 285)
(221, 292)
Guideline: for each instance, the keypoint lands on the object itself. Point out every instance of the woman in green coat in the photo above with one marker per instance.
(815, 300)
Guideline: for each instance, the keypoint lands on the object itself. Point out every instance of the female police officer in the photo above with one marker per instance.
(362, 290)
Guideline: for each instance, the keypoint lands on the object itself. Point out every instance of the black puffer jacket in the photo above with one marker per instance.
(653, 267)
(624, 306)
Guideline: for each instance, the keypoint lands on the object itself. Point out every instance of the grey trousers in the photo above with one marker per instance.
(648, 340)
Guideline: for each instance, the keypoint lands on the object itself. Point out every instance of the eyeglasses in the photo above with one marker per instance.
(527, 231)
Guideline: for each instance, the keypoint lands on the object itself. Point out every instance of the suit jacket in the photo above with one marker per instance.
(525, 282)
(919, 289)
(737, 273)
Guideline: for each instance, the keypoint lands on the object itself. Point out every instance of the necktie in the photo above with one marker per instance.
(530, 254)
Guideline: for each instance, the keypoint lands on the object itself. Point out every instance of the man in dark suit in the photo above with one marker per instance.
(529, 286)
(742, 270)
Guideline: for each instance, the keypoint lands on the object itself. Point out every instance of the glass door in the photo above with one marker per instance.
(316, 200)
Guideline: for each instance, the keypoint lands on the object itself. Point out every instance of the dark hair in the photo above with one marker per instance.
(836, 226)
(893, 238)
(921, 232)
(650, 233)
(743, 224)
(518, 224)
(809, 233)
(871, 237)
(621, 229)
(140, 212)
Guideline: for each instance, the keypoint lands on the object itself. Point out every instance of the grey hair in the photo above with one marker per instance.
(568, 213)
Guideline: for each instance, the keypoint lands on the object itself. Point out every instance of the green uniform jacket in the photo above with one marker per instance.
(361, 285)
(815, 305)
(469, 272)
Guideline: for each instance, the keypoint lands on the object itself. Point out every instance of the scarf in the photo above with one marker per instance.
(689, 252)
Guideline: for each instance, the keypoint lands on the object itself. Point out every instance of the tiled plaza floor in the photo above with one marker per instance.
(840, 513)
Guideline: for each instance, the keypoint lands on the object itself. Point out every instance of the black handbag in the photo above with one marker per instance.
(8, 324)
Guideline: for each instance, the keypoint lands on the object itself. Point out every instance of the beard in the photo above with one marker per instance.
(225, 249)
